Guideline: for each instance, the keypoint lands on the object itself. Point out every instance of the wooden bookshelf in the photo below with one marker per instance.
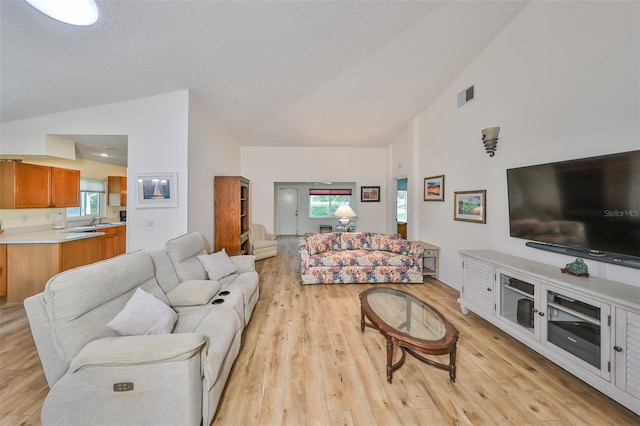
(231, 214)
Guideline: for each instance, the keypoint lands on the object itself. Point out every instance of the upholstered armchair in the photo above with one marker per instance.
(263, 245)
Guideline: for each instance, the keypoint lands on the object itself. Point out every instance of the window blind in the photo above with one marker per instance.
(92, 185)
(329, 191)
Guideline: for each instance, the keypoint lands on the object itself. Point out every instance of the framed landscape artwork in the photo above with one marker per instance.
(369, 194)
(156, 190)
(434, 188)
(470, 206)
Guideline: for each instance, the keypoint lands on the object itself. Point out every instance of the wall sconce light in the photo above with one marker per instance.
(490, 139)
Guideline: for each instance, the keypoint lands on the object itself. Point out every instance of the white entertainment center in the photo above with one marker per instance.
(587, 325)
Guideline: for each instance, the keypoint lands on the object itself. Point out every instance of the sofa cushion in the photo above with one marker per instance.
(390, 243)
(183, 251)
(319, 243)
(193, 292)
(363, 258)
(218, 265)
(144, 314)
(354, 241)
(378, 240)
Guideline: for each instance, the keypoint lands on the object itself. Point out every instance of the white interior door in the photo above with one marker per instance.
(287, 211)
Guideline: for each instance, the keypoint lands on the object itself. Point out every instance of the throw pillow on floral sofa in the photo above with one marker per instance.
(358, 257)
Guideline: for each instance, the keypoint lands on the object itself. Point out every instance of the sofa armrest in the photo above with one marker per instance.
(193, 292)
(303, 253)
(134, 350)
(245, 263)
(270, 237)
(416, 251)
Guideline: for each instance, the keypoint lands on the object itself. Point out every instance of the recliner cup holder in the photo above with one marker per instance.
(224, 293)
(217, 301)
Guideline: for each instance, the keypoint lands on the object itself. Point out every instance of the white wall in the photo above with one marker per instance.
(213, 151)
(566, 89)
(157, 135)
(365, 166)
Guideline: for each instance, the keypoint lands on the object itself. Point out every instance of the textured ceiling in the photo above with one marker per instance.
(303, 73)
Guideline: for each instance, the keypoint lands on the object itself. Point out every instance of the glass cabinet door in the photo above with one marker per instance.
(580, 327)
(518, 302)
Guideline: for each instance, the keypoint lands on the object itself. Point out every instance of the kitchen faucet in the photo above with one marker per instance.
(95, 219)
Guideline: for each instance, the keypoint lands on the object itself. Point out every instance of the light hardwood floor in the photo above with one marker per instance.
(304, 360)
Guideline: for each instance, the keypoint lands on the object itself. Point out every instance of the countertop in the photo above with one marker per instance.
(54, 236)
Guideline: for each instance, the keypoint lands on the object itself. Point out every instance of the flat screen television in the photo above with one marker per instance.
(589, 205)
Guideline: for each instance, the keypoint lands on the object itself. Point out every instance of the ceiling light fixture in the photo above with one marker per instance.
(74, 12)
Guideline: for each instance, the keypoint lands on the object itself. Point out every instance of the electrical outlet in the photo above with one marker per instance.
(24, 217)
(148, 222)
(48, 216)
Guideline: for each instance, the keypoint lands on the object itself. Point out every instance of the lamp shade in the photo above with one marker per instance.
(345, 211)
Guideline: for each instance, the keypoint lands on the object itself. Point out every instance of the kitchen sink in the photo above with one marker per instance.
(82, 229)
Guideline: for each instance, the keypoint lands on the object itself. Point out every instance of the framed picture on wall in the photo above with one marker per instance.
(369, 194)
(156, 190)
(470, 206)
(434, 188)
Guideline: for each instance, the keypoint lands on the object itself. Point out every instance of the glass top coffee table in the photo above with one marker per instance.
(410, 323)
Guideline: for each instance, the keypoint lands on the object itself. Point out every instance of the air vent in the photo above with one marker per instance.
(465, 96)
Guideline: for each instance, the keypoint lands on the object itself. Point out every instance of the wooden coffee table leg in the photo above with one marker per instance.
(389, 361)
(452, 364)
(361, 317)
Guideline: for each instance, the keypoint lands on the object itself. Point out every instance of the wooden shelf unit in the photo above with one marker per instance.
(231, 214)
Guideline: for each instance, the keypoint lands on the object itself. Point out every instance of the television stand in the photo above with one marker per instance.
(600, 256)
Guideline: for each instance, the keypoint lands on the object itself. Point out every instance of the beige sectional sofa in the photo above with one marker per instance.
(358, 257)
(98, 375)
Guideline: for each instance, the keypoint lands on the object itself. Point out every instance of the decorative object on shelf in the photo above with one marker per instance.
(369, 194)
(434, 188)
(156, 190)
(470, 206)
(490, 139)
(577, 268)
(345, 213)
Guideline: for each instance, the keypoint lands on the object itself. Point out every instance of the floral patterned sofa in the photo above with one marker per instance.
(358, 257)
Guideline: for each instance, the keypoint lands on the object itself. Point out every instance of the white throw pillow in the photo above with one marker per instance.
(218, 265)
(144, 314)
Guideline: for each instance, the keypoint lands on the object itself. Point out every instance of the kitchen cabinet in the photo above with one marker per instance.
(3, 269)
(24, 186)
(588, 326)
(113, 241)
(231, 205)
(117, 190)
(65, 187)
(29, 186)
(29, 266)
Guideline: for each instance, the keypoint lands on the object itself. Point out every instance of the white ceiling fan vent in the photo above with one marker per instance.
(465, 96)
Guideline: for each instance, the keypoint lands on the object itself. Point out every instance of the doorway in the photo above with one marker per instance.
(401, 207)
(287, 211)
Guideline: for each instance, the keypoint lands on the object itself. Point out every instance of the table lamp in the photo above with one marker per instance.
(344, 213)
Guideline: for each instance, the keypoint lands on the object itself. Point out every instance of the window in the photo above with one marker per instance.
(92, 200)
(324, 202)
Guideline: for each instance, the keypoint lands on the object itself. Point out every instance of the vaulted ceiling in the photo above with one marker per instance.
(276, 73)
